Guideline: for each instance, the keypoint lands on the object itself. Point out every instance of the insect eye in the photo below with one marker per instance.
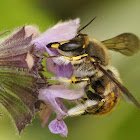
(73, 45)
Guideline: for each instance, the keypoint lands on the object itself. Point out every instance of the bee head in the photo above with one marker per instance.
(75, 46)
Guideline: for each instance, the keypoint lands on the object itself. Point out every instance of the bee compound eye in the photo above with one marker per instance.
(71, 46)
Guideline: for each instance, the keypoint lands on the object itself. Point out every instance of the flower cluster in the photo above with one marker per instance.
(53, 94)
(20, 60)
(18, 75)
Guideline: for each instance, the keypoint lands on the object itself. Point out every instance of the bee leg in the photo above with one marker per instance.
(94, 102)
(90, 105)
(78, 80)
(76, 58)
(93, 96)
(91, 109)
(73, 80)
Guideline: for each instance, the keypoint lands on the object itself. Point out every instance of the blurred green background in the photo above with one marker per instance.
(113, 17)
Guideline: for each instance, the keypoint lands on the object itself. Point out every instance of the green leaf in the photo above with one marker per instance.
(18, 89)
(18, 94)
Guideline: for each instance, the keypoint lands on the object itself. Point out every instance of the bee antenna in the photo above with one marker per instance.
(86, 25)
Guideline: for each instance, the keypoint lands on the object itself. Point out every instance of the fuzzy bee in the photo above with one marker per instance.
(92, 70)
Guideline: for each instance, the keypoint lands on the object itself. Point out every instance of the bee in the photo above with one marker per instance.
(93, 71)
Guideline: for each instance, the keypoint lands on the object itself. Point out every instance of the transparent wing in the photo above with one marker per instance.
(126, 99)
(126, 43)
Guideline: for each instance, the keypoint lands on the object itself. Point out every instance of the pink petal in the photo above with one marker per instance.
(31, 30)
(64, 70)
(60, 91)
(58, 127)
(65, 133)
(59, 70)
(62, 31)
(54, 92)
(61, 104)
(51, 100)
(51, 66)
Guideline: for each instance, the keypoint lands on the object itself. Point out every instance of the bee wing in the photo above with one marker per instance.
(126, 43)
(120, 86)
(126, 99)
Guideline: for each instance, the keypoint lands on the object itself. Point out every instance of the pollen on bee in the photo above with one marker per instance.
(112, 103)
(112, 94)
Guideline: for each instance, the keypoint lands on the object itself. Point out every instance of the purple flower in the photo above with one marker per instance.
(20, 56)
(18, 72)
(58, 127)
(59, 70)
(60, 32)
(52, 95)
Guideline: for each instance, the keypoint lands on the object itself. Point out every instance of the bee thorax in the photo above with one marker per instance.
(83, 68)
